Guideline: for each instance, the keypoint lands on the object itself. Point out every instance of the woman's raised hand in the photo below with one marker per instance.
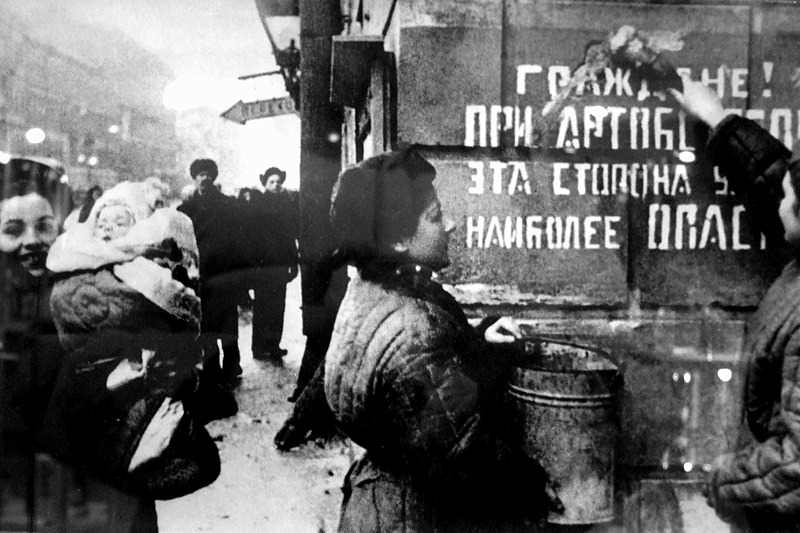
(700, 101)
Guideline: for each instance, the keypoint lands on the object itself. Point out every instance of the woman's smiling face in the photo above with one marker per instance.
(27, 230)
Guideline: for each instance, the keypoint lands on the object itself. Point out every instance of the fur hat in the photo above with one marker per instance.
(203, 165)
(378, 202)
(273, 171)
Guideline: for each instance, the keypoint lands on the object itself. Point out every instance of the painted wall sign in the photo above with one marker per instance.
(615, 191)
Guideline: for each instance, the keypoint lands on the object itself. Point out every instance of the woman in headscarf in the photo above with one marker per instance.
(124, 307)
(409, 380)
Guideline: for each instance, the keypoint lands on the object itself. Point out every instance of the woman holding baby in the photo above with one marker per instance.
(128, 318)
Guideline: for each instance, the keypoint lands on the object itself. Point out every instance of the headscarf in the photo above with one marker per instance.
(377, 203)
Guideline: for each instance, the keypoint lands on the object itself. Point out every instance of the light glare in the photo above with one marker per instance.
(35, 135)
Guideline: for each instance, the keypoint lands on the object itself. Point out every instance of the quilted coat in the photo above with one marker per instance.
(409, 380)
(758, 487)
(108, 304)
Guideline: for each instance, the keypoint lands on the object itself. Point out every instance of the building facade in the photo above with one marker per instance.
(604, 223)
(98, 101)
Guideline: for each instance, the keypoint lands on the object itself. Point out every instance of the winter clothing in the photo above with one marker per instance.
(223, 261)
(275, 226)
(758, 487)
(28, 332)
(140, 198)
(273, 171)
(112, 285)
(110, 301)
(279, 223)
(409, 380)
(203, 165)
(218, 231)
(377, 202)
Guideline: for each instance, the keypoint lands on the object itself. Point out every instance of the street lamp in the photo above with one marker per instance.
(281, 21)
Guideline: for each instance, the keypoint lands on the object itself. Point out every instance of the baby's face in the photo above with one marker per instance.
(113, 221)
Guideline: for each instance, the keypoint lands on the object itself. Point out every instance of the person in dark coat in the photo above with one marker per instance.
(245, 195)
(276, 249)
(757, 488)
(33, 204)
(124, 307)
(220, 240)
(407, 377)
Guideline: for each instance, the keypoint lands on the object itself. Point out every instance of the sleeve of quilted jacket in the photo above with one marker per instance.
(754, 163)
(763, 480)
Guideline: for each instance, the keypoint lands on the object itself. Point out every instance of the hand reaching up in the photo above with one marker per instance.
(700, 101)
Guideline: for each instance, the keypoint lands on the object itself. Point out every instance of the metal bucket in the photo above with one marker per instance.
(564, 398)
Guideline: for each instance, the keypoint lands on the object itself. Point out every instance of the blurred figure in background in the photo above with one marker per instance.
(245, 195)
(274, 245)
(82, 213)
(220, 237)
(249, 218)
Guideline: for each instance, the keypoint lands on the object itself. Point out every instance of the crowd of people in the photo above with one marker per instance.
(124, 327)
(132, 342)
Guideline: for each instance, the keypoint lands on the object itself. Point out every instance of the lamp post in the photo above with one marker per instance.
(288, 60)
(282, 24)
